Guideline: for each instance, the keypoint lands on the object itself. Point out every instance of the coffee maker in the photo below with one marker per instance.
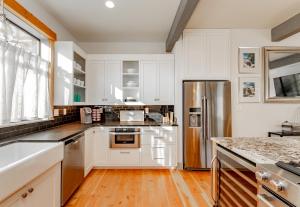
(86, 115)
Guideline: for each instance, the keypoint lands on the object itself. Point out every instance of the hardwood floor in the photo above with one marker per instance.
(143, 188)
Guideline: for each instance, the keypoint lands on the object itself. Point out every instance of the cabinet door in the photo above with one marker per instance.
(46, 189)
(89, 148)
(206, 54)
(218, 51)
(194, 53)
(63, 74)
(101, 142)
(150, 82)
(113, 82)
(95, 82)
(166, 83)
(42, 191)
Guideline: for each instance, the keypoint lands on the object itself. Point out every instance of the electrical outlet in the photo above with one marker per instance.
(65, 112)
(56, 112)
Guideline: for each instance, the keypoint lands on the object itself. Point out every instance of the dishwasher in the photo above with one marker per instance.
(72, 166)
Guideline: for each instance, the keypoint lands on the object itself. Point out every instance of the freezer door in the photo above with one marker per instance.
(218, 105)
(193, 124)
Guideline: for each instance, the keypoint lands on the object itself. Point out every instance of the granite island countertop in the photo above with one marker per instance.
(263, 150)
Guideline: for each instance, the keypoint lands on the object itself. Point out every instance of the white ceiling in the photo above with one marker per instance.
(242, 13)
(130, 20)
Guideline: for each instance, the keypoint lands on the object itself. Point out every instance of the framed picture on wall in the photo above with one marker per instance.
(249, 89)
(249, 60)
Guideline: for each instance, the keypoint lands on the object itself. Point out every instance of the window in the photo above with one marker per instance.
(24, 84)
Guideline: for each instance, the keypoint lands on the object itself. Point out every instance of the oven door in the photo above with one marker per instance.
(124, 139)
(267, 198)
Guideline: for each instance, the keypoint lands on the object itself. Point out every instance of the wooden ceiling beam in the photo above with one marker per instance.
(183, 14)
(286, 29)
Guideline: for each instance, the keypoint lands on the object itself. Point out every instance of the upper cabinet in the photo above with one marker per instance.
(132, 79)
(158, 82)
(206, 54)
(70, 72)
(104, 82)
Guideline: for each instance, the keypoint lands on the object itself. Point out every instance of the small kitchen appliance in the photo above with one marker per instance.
(86, 115)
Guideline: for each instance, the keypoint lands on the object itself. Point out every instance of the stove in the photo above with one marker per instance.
(293, 167)
(279, 184)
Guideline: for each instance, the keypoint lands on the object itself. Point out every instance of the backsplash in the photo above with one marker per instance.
(111, 112)
(73, 114)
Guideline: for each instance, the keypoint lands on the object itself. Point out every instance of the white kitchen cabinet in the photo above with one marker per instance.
(113, 82)
(158, 82)
(104, 85)
(158, 147)
(90, 135)
(101, 146)
(158, 156)
(124, 157)
(42, 191)
(206, 54)
(108, 78)
(67, 58)
(95, 77)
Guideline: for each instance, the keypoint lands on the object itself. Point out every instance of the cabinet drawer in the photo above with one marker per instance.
(128, 157)
(158, 156)
(162, 139)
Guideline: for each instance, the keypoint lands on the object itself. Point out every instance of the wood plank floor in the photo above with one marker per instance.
(143, 188)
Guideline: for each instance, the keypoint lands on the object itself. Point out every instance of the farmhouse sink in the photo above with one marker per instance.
(21, 162)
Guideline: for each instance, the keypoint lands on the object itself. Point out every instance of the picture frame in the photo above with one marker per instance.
(249, 89)
(249, 60)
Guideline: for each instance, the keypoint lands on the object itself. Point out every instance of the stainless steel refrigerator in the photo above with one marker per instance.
(207, 113)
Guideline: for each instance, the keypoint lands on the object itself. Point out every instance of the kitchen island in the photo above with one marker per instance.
(238, 179)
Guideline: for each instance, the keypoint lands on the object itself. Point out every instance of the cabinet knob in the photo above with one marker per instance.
(24, 195)
(278, 185)
(262, 176)
(30, 190)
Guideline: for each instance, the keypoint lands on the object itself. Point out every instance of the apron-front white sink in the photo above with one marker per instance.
(21, 162)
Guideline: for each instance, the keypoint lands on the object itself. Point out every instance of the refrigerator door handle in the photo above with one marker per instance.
(204, 115)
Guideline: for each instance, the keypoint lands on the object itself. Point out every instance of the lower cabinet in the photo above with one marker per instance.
(42, 191)
(126, 157)
(89, 150)
(101, 146)
(158, 156)
(158, 149)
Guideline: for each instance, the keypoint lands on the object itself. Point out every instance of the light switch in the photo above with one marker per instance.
(56, 112)
(65, 112)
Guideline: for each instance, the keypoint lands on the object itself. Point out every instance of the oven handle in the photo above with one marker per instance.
(125, 133)
(264, 198)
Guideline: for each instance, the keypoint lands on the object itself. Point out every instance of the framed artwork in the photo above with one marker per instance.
(249, 89)
(249, 60)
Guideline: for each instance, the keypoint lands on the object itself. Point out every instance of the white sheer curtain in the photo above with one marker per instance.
(24, 89)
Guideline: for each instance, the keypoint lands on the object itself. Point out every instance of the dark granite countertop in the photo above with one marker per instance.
(66, 131)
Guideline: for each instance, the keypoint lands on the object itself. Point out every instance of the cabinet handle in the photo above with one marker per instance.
(125, 152)
(24, 195)
(158, 158)
(156, 99)
(158, 137)
(30, 190)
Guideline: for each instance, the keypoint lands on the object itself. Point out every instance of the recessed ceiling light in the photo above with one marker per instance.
(110, 4)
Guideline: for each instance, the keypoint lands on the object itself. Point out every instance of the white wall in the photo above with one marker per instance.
(123, 47)
(248, 119)
(256, 119)
(38, 11)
